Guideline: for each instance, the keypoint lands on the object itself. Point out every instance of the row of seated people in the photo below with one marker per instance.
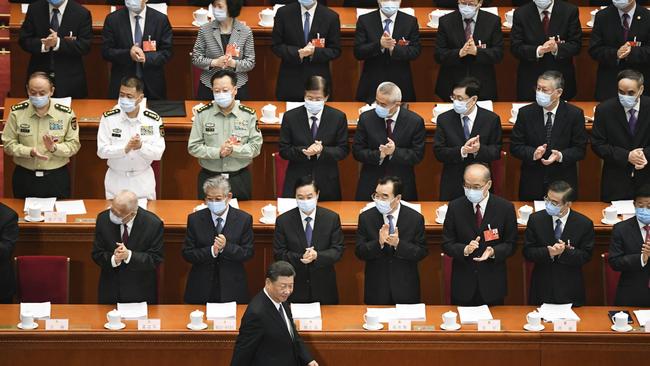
(546, 35)
(549, 137)
(479, 234)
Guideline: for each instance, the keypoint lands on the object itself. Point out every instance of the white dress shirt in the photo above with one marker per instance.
(318, 118)
(60, 18)
(391, 26)
(311, 12)
(223, 216)
(482, 205)
(129, 226)
(541, 18)
(563, 220)
(277, 308)
(630, 13)
(637, 107)
(303, 216)
(395, 215)
(470, 125)
(472, 25)
(132, 16)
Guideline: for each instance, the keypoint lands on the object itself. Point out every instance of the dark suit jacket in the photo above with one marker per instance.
(118, 40)
(287, 38)
(391, 275)
(67, 62)
(558, 280)
(228, 266)
(612, 141)
(135, 281)
(295, 135)
(625, 257)
(528, 33)
(459, 229)
(315, 281)
(449, 41)
(8, 238)
(408, 135)
(568, 136)
(450, 137)
(607, 38)
(383, 66)
(264, 339)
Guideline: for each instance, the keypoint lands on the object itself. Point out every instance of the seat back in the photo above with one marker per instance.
(42, 279)
(497, 169)
(446, 263)
(527, 268)
(610, 280)
(279, 172)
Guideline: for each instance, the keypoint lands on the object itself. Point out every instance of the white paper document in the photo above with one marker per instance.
(643, 316)
(161, 7)
(286, 204)
(220, 310)
(625, 207)
(306, 311)
(472, 314)
(143, 203)
(411, 312)
(385, 314)
(551, 312)
(133, 310)
(293, 105)
(40, 310)
(76, 207)
(45, 204)
(493, 9)
(539, 205)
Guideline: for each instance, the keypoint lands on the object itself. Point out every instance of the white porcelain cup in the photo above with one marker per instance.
(114, 318)
(524, 212)
(433, 19)
(593, 15)
(441, 212)
(371, 320)
(449, 318)
(34, 212)
(268, 111)
(196, 318)
(534, 319)
(268, 212)
(200, 15)
(610, 213)
(620, 320)
(509, 15)
(266, 16)
(27, 319)
(513, 113)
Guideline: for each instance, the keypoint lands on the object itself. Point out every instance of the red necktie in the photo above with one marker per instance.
(389, 130)
(479, 217)
(125, 235)
(545, 21)
(626, 26)
(468, 29)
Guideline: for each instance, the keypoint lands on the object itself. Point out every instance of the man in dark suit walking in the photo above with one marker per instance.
(128, 247)
(389, 141)
(386, 40)
(137, 40)
(559, 241)
(619, 40)
(267, 335)
(465, 135)
(57, 34)
(314, 138)
(479, 233)
(310, 238)
(545, 35)
(629, 251)
(218, 255)
(306, 37)
(549, 138)
(8, 238)
(469, 43)
(390, 239)
(621, 137)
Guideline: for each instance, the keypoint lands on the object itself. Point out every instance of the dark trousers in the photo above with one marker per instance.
(240, 183)
(53, 183)
(205, 93)
(477, 300)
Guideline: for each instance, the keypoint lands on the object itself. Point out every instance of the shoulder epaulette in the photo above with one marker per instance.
(207, 106)
(19, 106)
(111, 112)
(247, 109)
(63, 108)
(151, 114)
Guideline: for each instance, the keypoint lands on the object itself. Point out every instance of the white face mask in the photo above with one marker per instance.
(133, 5)
(467, 11)
(621, 4)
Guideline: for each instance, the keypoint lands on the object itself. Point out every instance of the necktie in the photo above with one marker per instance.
(219, 226)
(314, 127)
(387, 26)
(545, 21)
(632, 120)
(466, 127)
(468, 29)
(54, 23)
(309, 231)
(391, 224)
(125, 234)
(647, 240)
(305, 27)
(626, 26)
(389, 129)
(284, 320)
(558, 229)
(137, 39)
(549, 128)
(479, 216)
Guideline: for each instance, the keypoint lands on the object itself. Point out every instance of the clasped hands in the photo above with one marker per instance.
(541, 150)
(51, 40)
(386, 149)
(309, 256)
(472, 146)
(473, 246)
(469, 48)
(385, 237)
(637, 158)
(314, 149)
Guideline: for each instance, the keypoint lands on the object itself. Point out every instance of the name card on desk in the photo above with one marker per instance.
(489, 325)
(224, 324)
(565, 325)
(148, 324)
(56, 324)
(312, 324)
(399, 325)
(56, 217)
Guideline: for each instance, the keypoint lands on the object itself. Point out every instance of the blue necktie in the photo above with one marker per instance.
(137, 39)
(308, 231)
(558, 229)
(305, 27)
(466, 127)
(54, 23)
(391, 225)
(387, 25)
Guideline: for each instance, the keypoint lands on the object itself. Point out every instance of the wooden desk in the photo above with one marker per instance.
(345, 70)
(75, 239)
(342, 341)
(179, 170)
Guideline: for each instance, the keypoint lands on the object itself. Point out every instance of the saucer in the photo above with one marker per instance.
(34, 219)
(512, 120)
(451, 327)
(267, 221)
(590, 24)
(431, 25)
(507, 25)
(109, 327)
(534, 328)
(265, 25)
(200, 327)
(272, 120)
(34, 326)
(627, 328)
(521, 221)
(604, 221)
(377, 327)
(197, 24)
(439, 221)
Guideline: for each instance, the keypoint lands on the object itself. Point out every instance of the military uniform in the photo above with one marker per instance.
(132, 170)
(210, 129)
(25, 130)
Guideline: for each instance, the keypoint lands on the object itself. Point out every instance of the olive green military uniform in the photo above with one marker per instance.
(34, 177)
(210, 130)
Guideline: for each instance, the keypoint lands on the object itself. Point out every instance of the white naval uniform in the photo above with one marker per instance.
(130, 171)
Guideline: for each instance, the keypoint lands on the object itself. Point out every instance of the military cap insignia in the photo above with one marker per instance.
(247, 109)
(73, 123)
(205, 107)
(151, 114)
(111, 112)
(19, 106)
(63, 108)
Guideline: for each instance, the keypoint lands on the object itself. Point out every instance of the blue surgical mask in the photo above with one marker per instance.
(621, 4)
(39, 101)
(474, 195)
(133, 5)
(643, 215)
(114, 219)
(467, 11)
(460, 106)
(127, 104)
(314, 106)
(542, 99)
(383, 206)
(389, 8)
(217, 207)
(307, 206)
(543, 4)
(55, 3)
(627, 101)
(382, 112)
(219, 14)
(223, 100)
(306, 3)
(552, 209)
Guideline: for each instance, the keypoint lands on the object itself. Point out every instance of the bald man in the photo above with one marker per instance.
(479, 233)
(128, 247)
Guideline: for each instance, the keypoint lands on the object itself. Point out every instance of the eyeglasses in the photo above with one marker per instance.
(474, 186)
(556, 204)
(379, 196)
